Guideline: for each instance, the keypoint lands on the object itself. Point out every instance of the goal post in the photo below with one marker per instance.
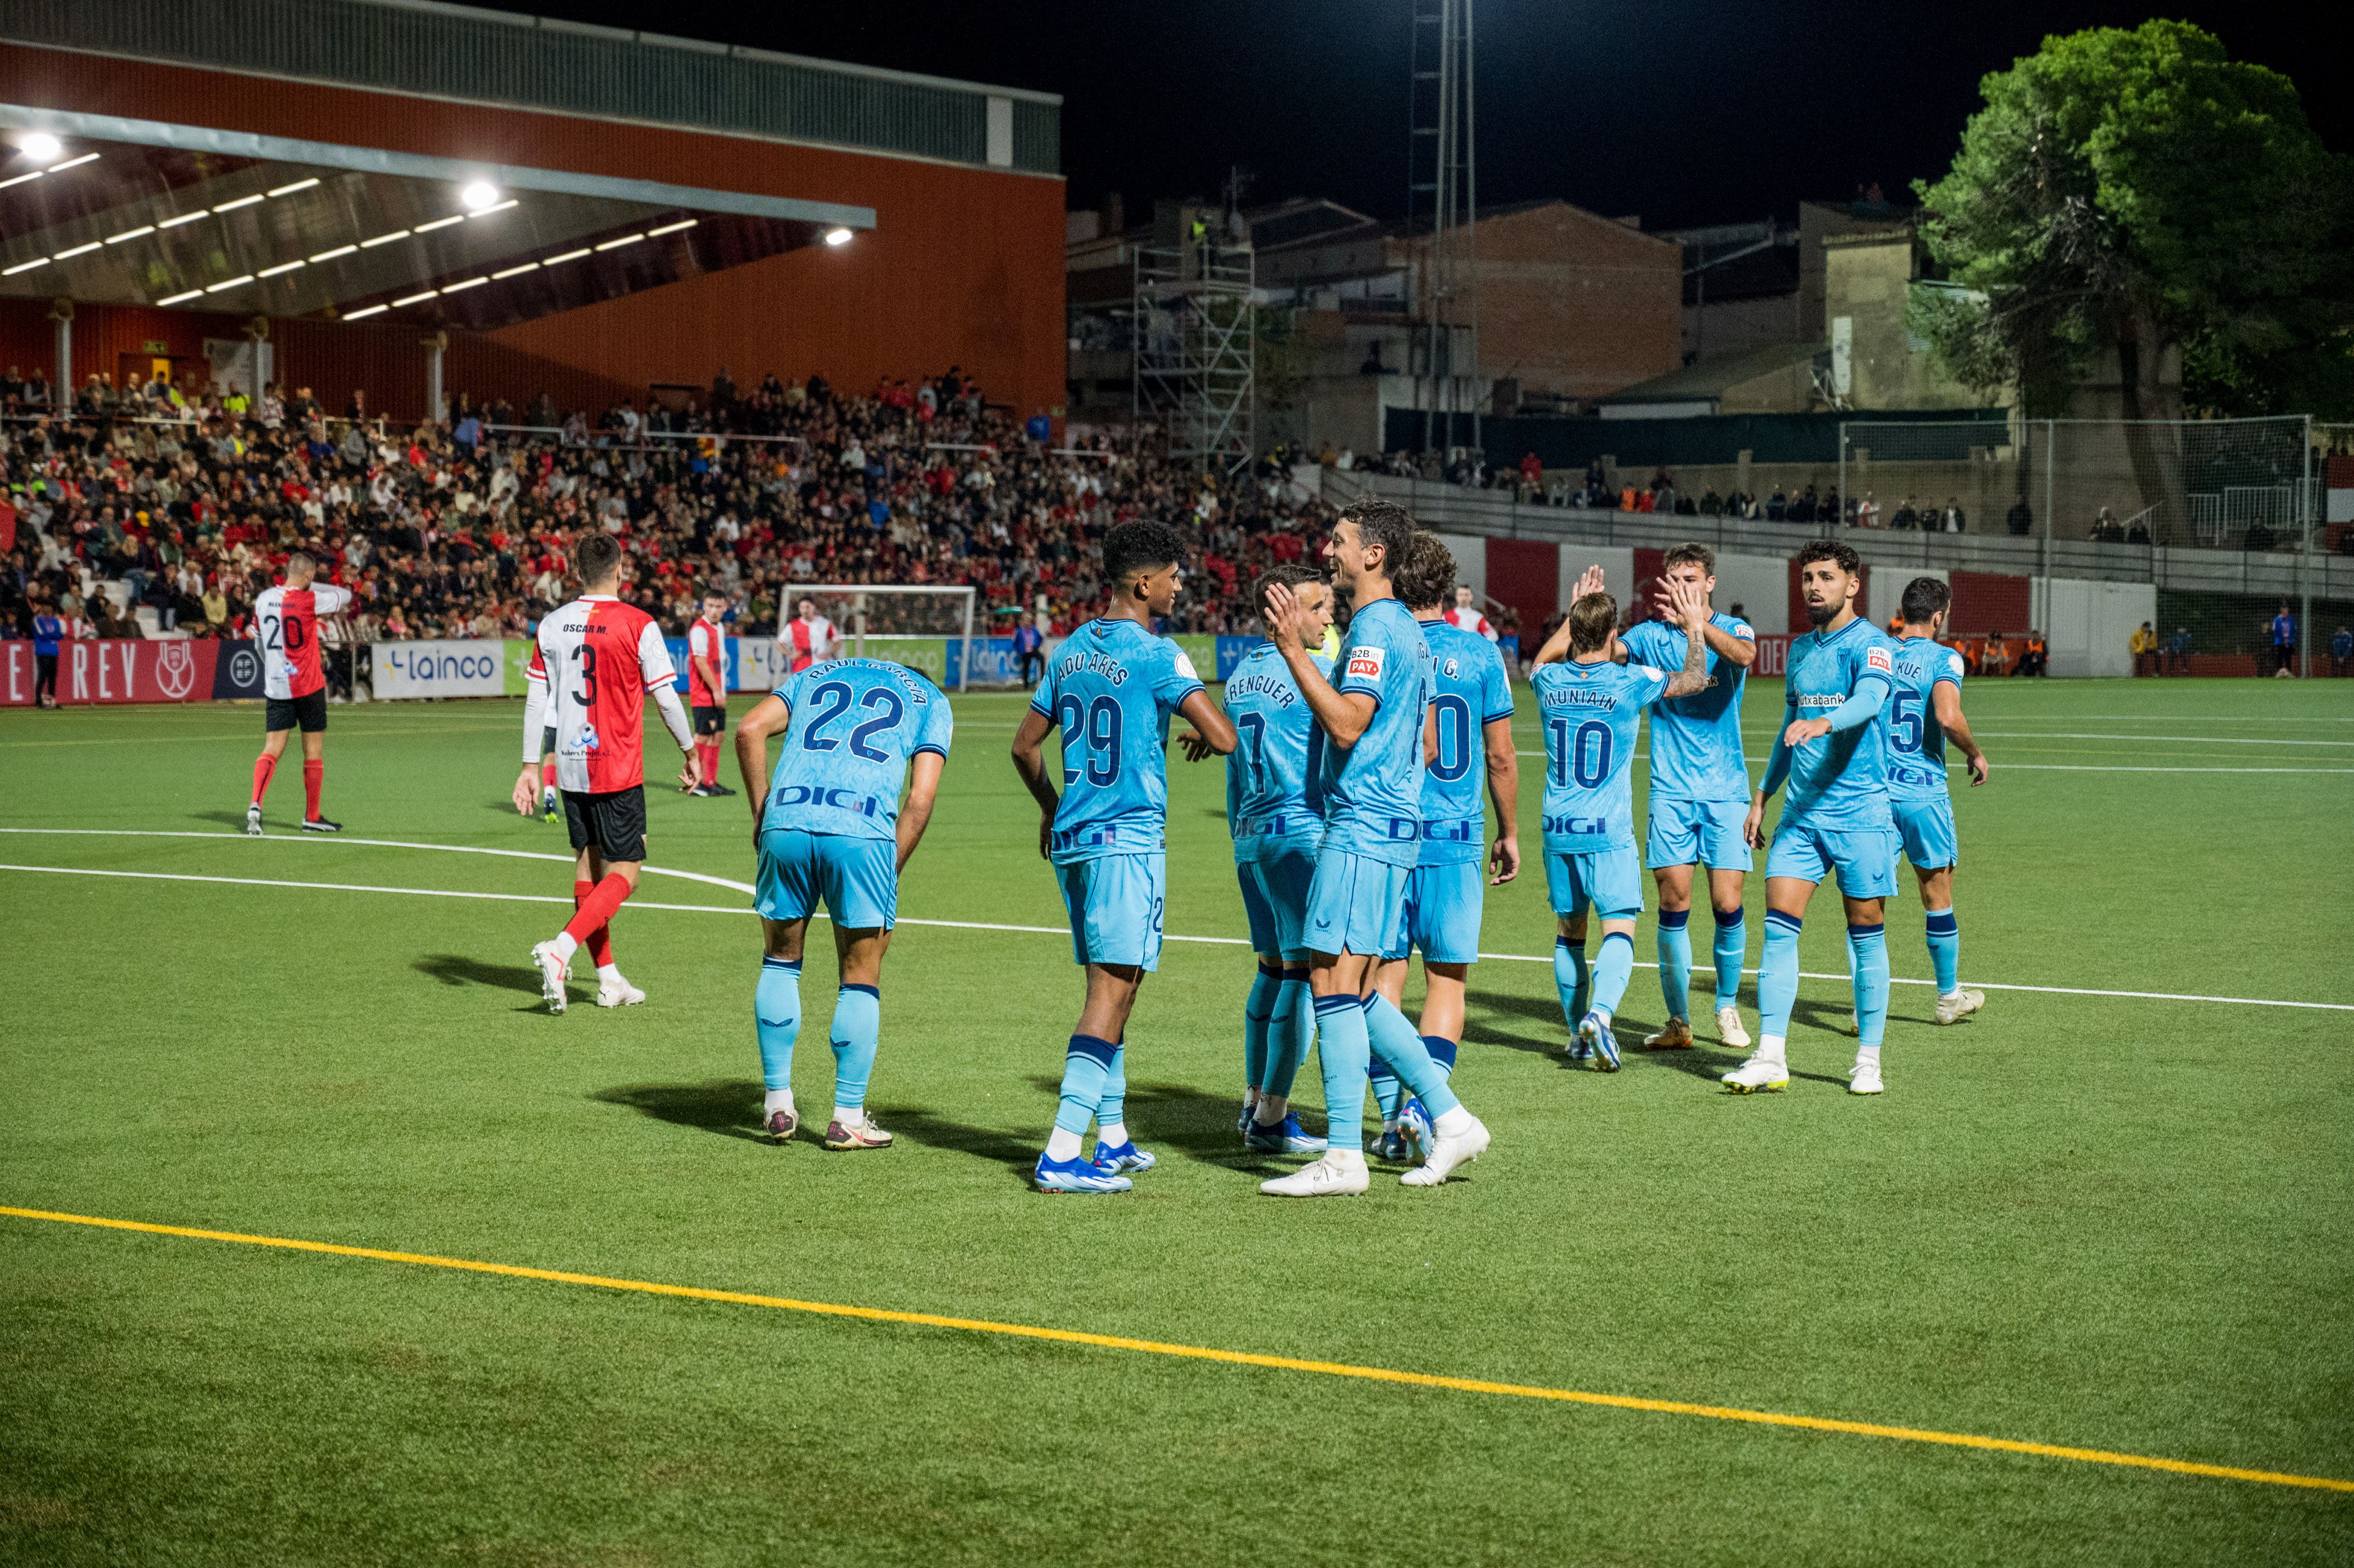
(925, 627)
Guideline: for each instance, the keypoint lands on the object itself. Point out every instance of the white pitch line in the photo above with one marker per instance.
(1038, 930)
(2194, 740)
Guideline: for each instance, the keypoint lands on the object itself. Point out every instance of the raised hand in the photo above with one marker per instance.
(1591, 582)
(1282, 617)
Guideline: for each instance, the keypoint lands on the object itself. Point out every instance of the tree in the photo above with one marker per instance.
(2141, 192)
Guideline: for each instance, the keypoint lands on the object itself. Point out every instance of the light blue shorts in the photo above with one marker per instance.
(1696, 832)
(1442, 913)
(1354, 903)
(1865, 858)
(856, 879)
(1275, 900)
(1928, 829)
(1114, 903)
(1610, 880)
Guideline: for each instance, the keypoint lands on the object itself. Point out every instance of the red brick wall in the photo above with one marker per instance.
(964, 266)
(1988, 602)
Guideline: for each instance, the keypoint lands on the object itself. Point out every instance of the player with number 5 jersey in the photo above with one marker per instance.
(831, 828)
(1924, 713)
(1110, 689)
(1590, 707)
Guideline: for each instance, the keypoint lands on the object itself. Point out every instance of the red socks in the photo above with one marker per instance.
(263, 766)
(710, 753)
(599, 942)
(596, 909)
(548, 774)
(314, 774)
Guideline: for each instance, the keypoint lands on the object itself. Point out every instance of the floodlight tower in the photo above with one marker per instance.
(1442, 194)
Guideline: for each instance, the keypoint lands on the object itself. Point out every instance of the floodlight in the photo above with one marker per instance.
(837, 236)
(480, 195)
(40, 146)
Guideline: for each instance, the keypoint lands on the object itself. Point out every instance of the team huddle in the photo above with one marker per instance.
(1360, 774)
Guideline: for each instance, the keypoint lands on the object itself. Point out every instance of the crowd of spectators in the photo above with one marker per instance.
(462, 528)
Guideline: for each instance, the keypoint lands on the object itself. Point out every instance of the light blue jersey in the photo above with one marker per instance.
(1916, 741)
(1472, 691)
(1591, 714)
(1111, 688)
(1696, 739)
(855, 724)
(1373, 790)
(1274, 797)
(1839, 781)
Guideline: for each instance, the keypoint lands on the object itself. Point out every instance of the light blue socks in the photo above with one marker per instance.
(1571, 977)
(1777, 975)
(1289, 1036)
(857, 1021)
(1675, 961)
(776, 1014)
(1867, 947)
(1613, 967)
(1343, 1044)
(1085, 1067)
(1398, 1042)
(1945, 951)
(1258, 1017)
(1731, 940)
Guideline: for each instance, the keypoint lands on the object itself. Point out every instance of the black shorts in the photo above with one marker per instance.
(285, 713)
(613, 824)
(709, 721)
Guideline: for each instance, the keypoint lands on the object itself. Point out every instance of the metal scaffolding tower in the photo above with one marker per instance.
(1441, 203)
(1196, 344)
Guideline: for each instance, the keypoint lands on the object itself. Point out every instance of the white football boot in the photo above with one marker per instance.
(1757, 1073)
(1327, 1177)
(1447, 1153)
(551, 975)
(254, 822)
(1863, 1078)
(1729, 1029)
(1960, 1005)
(618, 992)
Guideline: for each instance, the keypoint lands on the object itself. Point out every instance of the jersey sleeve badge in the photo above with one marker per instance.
(1877, 659)
(1366, 660)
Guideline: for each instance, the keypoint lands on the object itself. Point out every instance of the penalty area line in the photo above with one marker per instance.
(1062, 931)
(1231, 1358)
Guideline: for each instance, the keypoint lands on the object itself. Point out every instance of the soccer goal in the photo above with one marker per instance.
(925, 628)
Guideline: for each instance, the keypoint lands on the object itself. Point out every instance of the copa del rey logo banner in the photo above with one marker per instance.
(169, 670)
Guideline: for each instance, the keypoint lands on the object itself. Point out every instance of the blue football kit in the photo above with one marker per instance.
(1447, 887)
(1372, 841)
(1699, 799)
(1274, 798)
(1835, 815)
(1918, 800)
(829, 834)
(1917, 795)
(1591, 715)
(1835, 818)
(1110, 689)
(1700, 779)
(830, 831)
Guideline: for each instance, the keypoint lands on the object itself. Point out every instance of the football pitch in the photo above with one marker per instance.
(2079, 1287)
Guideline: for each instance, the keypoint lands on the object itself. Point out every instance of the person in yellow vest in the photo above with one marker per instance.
(2143, 644)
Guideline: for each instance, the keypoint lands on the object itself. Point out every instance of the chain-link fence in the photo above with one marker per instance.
(2237, 520)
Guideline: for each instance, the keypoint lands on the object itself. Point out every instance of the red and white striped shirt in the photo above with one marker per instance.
(286, 624)
(598, 658)
(807, 642)
(1466, 618)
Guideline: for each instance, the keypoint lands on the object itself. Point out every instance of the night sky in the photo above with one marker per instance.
(1685, 113)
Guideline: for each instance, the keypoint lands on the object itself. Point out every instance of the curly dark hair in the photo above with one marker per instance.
(1140, 546)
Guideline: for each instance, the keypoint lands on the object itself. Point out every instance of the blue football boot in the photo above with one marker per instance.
(1127, 1157)
(1286, 1137)
(1077, 1176)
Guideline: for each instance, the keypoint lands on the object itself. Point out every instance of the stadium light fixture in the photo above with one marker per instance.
(417, 299)
(73, 162)
(40, 146)
(672, 228)
(24, 267)
(370, 311)
(78, 250)
(281, 266)
(20, 179)
(184, 217)
(485, 212)
(625, 239)
(384, 240)
(297, 186)
(567, 256)
(440, 222)
(837, 236)
(338, 250)
(229, 283)
(132, 234)
(481, 194)
(175, 299)
(469, 284)
(517, 271)
(241, 201)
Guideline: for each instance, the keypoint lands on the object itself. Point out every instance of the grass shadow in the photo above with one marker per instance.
(1016, 1152)
(456, 969)
(728, 1107)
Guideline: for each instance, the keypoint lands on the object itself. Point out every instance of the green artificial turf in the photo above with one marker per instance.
(2105, 1221)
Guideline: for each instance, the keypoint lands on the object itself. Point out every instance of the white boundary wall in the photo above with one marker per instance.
(2086, 624)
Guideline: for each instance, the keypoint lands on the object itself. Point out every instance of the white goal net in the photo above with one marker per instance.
(925, 628)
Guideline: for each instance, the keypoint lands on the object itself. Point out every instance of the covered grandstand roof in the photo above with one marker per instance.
(142, 212)
(466, 54)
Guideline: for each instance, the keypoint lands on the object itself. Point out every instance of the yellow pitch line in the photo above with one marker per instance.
(1208, 1353)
